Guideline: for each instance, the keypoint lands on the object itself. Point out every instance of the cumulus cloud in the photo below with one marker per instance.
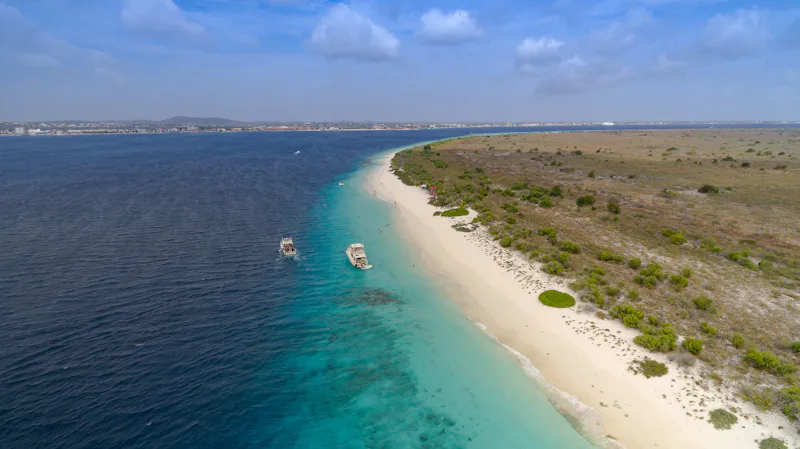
(536, 53)
(23, 43)
(439, 28)
(158, 17)
(347, 33)
(732, 36)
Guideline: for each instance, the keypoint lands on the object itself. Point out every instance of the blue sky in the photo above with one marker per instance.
(400, 60)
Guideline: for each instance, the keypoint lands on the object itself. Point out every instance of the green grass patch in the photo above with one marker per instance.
(553, 298)
(457, 212)
(649, 368)
(722, 419)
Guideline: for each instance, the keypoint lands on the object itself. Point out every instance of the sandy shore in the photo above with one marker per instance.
(581, 361)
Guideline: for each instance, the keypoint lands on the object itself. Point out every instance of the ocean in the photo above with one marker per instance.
(143, 304)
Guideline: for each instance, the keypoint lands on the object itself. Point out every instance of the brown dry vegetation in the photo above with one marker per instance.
(654, 176)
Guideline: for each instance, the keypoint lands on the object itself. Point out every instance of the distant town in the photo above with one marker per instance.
(178, 125)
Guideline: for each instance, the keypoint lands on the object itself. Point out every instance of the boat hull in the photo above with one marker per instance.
(360, 264)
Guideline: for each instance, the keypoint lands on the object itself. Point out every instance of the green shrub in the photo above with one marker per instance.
(737, 340)
(709, 189)
(766, 360)
(511, 220)
(795, 346)
(553, 267)
(570, 247)
(669, 232)
(722, 419)
(608, 256)
(649, 368)
(646, 281)
(693, 345)
(506, 241)
(612, 291)
(635, 263)
(587, 200)
(708, 329)
(677, 239)
(633, 294)
(458, 212)
(678, 282)
(438, 163)
(520, 186)
(546, 203)
(703, 302)
(687, 273)
(556, 299)
(630, 315)
(772, 443)
(510, 208)
(734, 256)
(708, 244)
(591, 174)
(662, 339)
(614, 207)
(655, 270)
(556, 192)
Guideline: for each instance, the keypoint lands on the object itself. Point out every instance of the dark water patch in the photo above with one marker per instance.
(372, 297)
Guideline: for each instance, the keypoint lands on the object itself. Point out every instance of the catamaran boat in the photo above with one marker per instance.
(287, 246)
(357, 256)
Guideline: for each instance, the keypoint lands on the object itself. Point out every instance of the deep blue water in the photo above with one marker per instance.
(143, 304)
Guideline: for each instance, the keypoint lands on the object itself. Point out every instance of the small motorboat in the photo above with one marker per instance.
(297, 152)
(357, 256)
(341, 184)
(287, 246)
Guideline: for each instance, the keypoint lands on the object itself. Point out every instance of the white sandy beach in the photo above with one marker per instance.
(585, 359)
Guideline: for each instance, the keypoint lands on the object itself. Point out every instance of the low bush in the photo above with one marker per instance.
(661, 339)
(737, 340)
(708, 329)
(546, 203)
(693, 345)
(649, 368)
(795, 346)
(709, 189)
(608, 256)
(438, 163)
(635, 263)
(677, 239)
(592, 174)
(556, 192)
(553, 267)
(630, 315)
(772, 443)
(703, 302)
(687, 273)
(614, 207)
(510, 208)
(570, 247)
(506, 241)
(553, 298)
(765, 360)
(669, 232)
(457, 212)
(722, 419)
(678, 282)
(633, 294)
(511, 220)
(708, 244)
(587, 200)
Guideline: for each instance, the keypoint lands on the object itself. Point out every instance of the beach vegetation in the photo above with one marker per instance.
(737, 340)
(614, 207)
(795, 347)
(722, 419)
(554, 298)
(709, 244)
(657, 338)
(709, 189)
(438, 163)
(633, 294)
(587, 200)
(628, 314)
(635, 263)
(687, 273)
(608, 256)
(772, 443)
(553, 267)
(457, 212)
(506, 241)
(556, 192)
(708, 329)
(703, 302)
(511, 220)
(693, 345)
(678, 282)
(569, 246)
(649, 368)
(510, 208)
(546, 203)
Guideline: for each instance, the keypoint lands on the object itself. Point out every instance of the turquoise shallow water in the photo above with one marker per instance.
(392, 362)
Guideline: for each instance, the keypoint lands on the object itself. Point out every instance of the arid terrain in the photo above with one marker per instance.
(691, 237)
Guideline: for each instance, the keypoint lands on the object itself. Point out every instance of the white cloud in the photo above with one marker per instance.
(620, 35)
(158, 17)
(743, 33)
(346, 33)
(575, 75)
(439, 28)
(664, 65)
(23, 43)
(533, 53)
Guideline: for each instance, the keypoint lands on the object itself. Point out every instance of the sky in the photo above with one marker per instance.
(400, 60)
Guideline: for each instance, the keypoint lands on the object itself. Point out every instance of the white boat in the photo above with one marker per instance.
(297, 152)
(608, 123)
(341, 184)
(357, 256)
(287, 246)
